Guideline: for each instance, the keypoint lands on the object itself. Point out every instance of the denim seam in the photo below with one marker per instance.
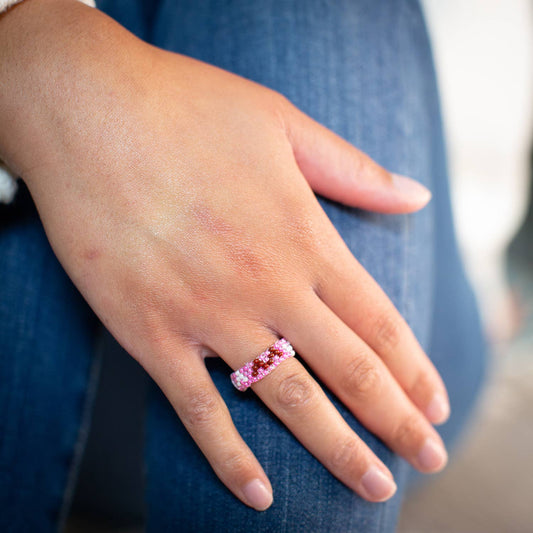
(83, 432)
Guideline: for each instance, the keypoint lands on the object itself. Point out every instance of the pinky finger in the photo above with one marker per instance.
(187, 384)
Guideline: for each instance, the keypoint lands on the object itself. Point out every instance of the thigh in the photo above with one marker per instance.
(45, 369)
(458, 344)
(363, 69)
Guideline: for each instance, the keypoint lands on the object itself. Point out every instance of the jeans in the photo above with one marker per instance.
(362, 68)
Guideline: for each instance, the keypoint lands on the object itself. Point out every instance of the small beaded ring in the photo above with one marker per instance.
(262, 365)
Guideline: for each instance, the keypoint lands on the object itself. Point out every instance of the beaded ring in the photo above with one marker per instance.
(262, 365)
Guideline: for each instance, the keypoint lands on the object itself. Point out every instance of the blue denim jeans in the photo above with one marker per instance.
(362, 68)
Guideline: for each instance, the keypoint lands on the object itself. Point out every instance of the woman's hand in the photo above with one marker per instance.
(176, 196)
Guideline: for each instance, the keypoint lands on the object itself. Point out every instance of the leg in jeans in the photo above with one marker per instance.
(47, 375)
(363, 69)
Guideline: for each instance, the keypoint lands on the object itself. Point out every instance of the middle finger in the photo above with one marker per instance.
(361, 380)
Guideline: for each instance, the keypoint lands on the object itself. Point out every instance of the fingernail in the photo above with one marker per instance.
(257, 495)
(378, 485)
(411, 187)
(438, 410)
(432, 457)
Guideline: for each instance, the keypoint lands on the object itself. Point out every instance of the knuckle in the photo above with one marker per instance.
(387, 332)
(237, 463)
(422, 385)
(345, 454)
(359, 164)
(304, 231)
(281, 108)
(282, 101)
(409, 430)
(201, 409)
(295, 391)
(281, 105)
(361, 377)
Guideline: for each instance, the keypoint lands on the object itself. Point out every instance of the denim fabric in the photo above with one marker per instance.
(47, 374)
(362, 68)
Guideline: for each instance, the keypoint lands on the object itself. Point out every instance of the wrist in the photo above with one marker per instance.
(50, 53)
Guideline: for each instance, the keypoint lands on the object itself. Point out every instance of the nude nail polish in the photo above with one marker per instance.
(377, 484)
(432, 457)
(257, 495)
(438, 409)
(411, 187)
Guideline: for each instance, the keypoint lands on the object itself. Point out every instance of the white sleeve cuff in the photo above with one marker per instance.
(8, 185)
(5, 4)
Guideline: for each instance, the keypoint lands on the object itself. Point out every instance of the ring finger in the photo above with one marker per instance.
(299, 402)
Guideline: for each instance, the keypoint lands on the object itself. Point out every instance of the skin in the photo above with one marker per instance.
(179, 199)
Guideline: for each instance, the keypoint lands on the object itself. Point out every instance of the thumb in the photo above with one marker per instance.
(336, 169)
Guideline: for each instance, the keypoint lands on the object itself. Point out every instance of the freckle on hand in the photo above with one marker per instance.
(92, 254)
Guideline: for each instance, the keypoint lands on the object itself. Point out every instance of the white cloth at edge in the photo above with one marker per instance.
(4, 4)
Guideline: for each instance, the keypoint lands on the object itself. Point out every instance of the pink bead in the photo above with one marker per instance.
(247, 370)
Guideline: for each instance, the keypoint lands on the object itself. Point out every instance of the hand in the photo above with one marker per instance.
(176, 196)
